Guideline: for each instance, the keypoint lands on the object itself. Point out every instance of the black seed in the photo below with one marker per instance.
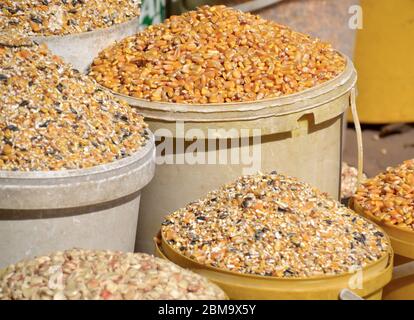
(182, 248)
(36, 19)
(378, 234)
(59, 87)
(201, 218)
(44, 124)
(3, 77)
(45, 2)
(288, 273)
(24, 103)
(167, 222)
(329, 222)
(222, 215)
(12, 10)
(12, 127)
(359, 237)
(273, 172)
(126, 135)
(258, 235)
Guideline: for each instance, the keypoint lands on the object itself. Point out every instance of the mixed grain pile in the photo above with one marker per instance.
(389, 196)
(86, 274)
(273, 225)
(54, 118)
(61, 17)
(215, 55)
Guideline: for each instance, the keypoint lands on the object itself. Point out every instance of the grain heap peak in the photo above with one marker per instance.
(274, 225)
(216, 55)
(53, 118)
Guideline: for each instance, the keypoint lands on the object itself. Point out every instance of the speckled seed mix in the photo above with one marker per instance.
(54, 118)
(61, 17)
(273, 225)
(215, 55)
(85, 274)
(389, 196)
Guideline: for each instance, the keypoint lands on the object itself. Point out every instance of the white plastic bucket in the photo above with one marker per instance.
(94, 208)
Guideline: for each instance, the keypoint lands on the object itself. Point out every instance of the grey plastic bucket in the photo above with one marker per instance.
(80, 49)
(95, 208)
(300, 135)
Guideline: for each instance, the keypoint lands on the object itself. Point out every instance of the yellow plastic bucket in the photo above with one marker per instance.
(239, 286)
(402, 241)
(383, 58)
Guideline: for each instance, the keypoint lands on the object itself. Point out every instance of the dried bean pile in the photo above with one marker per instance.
(85, 274)
(215, 55)
(389, 196)
(61, 17)
(53, 118)
(273, 225)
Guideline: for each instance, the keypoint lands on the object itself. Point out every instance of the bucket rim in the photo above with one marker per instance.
(347, 76)
(86, 34)
(160, 242)
(143, 154)
(353, 203)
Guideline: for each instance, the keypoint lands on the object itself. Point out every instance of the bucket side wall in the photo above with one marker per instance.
(81, 49)
(113, 228)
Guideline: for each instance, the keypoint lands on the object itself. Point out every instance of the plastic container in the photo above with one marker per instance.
(94, 208)
(239, 286)
(80, 49)
(299, 135)
(385, 89)
(402, 240)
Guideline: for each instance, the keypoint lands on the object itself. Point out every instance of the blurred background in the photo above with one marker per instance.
(379, 37)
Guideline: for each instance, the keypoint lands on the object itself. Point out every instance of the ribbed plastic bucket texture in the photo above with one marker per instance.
(80, 49)
(94, 208)
(299, 135)
(402, 241)
(238, 286)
